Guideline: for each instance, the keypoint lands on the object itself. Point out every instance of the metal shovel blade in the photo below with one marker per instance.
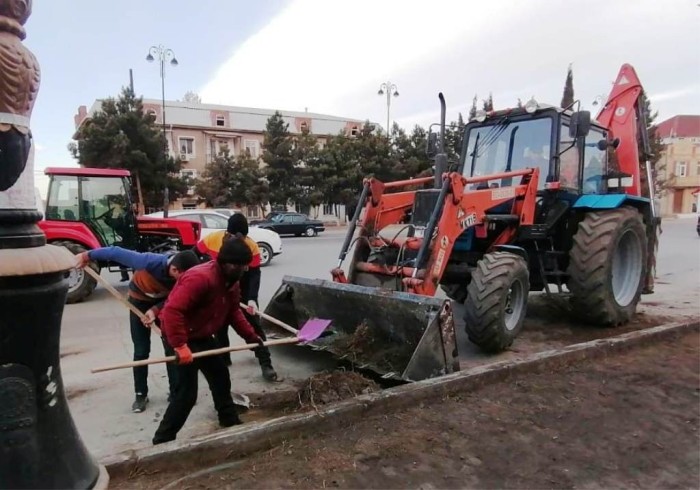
(397, 335)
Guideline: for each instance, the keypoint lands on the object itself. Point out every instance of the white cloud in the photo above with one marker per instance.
(331, 56)
(316, 52)
(675, 94)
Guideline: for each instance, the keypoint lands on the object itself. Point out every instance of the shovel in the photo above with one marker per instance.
(121, 298)
(309, 332)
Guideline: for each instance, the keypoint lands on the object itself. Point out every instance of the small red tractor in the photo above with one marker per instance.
(88, 208)
(542, 198)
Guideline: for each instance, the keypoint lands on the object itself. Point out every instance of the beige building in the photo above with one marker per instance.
(680, 136)
(197, 133)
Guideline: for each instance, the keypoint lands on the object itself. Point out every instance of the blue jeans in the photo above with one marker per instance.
(141, 337)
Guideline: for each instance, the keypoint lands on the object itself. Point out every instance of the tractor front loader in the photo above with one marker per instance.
(542, 199)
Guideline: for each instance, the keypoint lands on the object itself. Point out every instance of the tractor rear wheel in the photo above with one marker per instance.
(607, 266)
(497, 301)
(80, 284)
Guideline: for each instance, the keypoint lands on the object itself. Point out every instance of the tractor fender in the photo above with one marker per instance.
(514, 249)
(610, 201)
(70, 231)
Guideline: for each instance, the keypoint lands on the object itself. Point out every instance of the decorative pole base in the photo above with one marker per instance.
(39, 444)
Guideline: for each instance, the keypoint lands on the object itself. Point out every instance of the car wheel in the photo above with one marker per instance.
(265, 254)
(310, 231)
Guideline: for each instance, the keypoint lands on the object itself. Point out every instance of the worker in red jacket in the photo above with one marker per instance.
(205, 299)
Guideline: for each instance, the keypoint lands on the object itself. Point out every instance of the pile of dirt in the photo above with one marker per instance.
(325, 388)
(369, 347)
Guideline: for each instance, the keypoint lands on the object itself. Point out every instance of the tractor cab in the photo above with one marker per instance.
(569, 151)
(99, 200)
(88, 208)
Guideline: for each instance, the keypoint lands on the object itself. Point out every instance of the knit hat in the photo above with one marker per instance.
(237, 224)
(235, 252)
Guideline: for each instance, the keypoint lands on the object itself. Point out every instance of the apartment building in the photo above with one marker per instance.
(196, 134)
(680, 136)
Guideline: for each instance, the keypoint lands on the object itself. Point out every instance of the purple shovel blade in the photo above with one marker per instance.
(313, 329)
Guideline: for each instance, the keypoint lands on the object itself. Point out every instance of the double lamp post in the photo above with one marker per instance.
(163, 55)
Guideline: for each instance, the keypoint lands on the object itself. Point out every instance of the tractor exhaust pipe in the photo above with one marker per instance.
(441, 157)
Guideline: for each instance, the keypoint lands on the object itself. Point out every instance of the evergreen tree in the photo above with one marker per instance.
(567, 98)
(472, 109)
(121, 135)
(229, 181)
(488, 103)
(191, 96)
(308, 187)
(657, 150)
(277, 155)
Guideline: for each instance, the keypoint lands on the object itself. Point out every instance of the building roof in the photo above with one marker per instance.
(239, 118)
(684, 126)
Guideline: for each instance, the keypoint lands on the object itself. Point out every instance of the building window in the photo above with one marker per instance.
(354, 131)
(253, 211)
(251, 146)
(304, 126)
(153, 113)
(190, 173)
(328, 209)
(681, 169)
(220, 121)
(186, 147)
(697, 168)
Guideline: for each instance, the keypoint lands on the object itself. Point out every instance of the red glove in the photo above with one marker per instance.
(183, 354)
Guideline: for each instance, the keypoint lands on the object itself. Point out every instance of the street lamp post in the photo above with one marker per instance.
(163, 54)
(388, 88)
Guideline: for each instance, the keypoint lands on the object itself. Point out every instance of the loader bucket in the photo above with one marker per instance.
(397, 335)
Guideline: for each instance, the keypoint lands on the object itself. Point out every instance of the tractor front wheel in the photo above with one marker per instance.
(80, 284)
(497, 301)
(607, 266)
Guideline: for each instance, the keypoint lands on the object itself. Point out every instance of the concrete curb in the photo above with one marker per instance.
(246, 439)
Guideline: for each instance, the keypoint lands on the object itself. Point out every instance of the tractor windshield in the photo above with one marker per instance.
(506, 145)
(106, 208)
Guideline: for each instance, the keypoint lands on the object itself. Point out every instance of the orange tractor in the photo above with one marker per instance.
(542, 199)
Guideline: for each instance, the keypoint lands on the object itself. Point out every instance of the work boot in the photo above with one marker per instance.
(229, 419)
(268, 371)
(140, 403)
(160, 439)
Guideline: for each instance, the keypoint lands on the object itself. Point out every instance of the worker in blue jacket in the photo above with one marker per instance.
(154, 276)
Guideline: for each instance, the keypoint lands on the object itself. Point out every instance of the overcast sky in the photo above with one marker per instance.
(330, 56)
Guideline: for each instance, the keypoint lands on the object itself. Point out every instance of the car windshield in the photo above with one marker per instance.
(505, 146)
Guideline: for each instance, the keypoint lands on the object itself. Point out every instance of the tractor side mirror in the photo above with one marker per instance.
(580, 124)
(603, 145)
(432, 147)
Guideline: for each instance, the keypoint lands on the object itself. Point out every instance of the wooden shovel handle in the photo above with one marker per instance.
(121, 298)
(196, 355)
(274, 320)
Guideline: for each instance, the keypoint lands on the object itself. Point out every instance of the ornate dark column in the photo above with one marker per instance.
(39, 444)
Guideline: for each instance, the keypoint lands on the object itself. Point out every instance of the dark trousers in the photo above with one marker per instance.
(217, 376)
(141, 337)
(262, 353)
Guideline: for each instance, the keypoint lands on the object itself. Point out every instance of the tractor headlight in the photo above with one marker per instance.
(531, 106)
(480, 116)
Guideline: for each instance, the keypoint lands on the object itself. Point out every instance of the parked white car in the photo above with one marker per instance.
(269, 242)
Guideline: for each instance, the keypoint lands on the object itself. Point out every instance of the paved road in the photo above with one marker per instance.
(96, 333)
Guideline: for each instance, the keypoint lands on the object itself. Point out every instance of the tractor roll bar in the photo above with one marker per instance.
(403, 183)
(502, 175)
